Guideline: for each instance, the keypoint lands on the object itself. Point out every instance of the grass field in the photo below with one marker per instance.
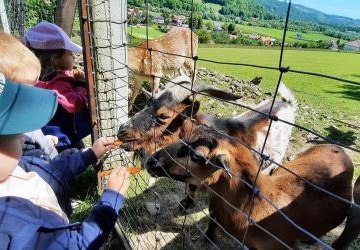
(323, 101)
(215, 7)
(140, 32)
(278, 34)
(340, 99)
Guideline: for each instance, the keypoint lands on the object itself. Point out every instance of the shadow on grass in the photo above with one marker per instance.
(336, 135)
(350, 91)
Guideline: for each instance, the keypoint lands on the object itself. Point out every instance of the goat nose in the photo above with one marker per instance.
(151, 162)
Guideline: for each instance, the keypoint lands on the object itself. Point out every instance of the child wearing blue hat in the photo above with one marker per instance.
(71, 122)
(31, 215)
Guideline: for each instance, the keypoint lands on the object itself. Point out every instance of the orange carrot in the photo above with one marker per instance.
(118, 143)
(131, 170)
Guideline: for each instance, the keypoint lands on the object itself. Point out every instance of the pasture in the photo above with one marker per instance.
(278, 34)
(339, 99)
(140, 32)
(322, 102)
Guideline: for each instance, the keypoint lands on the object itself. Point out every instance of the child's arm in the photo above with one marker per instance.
(97, 227)
(74, 163)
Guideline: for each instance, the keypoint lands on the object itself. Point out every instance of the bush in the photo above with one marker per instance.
(204, 36)
(220, 38)
(38, 10)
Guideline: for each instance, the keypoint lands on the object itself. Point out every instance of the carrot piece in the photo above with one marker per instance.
(105, 173)
(131, 170)
(118, 143)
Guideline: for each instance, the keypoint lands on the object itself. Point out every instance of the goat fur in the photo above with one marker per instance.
(326, 166)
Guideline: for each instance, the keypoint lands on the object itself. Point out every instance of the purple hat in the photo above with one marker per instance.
(47, 35)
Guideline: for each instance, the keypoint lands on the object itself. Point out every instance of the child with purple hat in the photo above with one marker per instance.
(55, 49)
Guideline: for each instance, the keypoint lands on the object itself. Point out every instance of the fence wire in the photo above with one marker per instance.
(153, 216)
(167, 227)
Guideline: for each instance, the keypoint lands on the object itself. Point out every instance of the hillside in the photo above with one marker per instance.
(302, 13)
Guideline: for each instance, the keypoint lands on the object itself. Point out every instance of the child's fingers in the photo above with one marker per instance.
(107, 141)
(121, 171)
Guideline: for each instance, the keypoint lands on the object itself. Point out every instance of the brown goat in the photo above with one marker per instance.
(166, 119)
(157, 58)
(224, 166)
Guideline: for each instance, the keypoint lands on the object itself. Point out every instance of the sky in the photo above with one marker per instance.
(347, 8)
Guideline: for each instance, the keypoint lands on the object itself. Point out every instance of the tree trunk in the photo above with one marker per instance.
(65, 14)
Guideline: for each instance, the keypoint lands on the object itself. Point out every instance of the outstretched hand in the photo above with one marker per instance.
(102, 145)
(119, 180)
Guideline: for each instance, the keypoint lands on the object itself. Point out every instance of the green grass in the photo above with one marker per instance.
(320, 99)
(340, 99)
(278, 34)
(215, 7)
(140, 32)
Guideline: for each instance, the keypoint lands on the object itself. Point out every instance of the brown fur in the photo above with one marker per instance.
(179, 124)
(144, 63)
(326, 166)
(18, 63)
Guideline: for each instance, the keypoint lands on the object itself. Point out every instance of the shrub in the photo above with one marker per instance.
(204, 36)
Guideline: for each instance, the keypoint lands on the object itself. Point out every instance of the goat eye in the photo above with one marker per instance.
(197, 157)
(161, 119)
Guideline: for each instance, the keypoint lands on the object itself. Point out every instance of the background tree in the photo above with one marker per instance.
(231, 28)
(196, 22)
(65, 14)
(204, 36)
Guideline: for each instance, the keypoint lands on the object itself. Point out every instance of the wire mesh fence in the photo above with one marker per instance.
(22, 14)
(155, 216)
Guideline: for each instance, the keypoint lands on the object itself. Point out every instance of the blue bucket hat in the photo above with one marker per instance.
(23, 108)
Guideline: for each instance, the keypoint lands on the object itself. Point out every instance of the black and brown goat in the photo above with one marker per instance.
(166, 119)
(224, 166)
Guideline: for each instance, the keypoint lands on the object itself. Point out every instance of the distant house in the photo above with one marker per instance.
(353, 45)
(159, 19)
(178, 20)
(254, 36)
(217, 26)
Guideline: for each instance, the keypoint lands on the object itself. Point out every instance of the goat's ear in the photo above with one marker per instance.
(222, 161)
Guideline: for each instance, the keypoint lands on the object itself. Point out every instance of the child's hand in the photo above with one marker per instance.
(78, 74)
(102, 145)
(119, 180)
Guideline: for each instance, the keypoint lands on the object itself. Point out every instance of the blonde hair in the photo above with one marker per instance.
(17, 62)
